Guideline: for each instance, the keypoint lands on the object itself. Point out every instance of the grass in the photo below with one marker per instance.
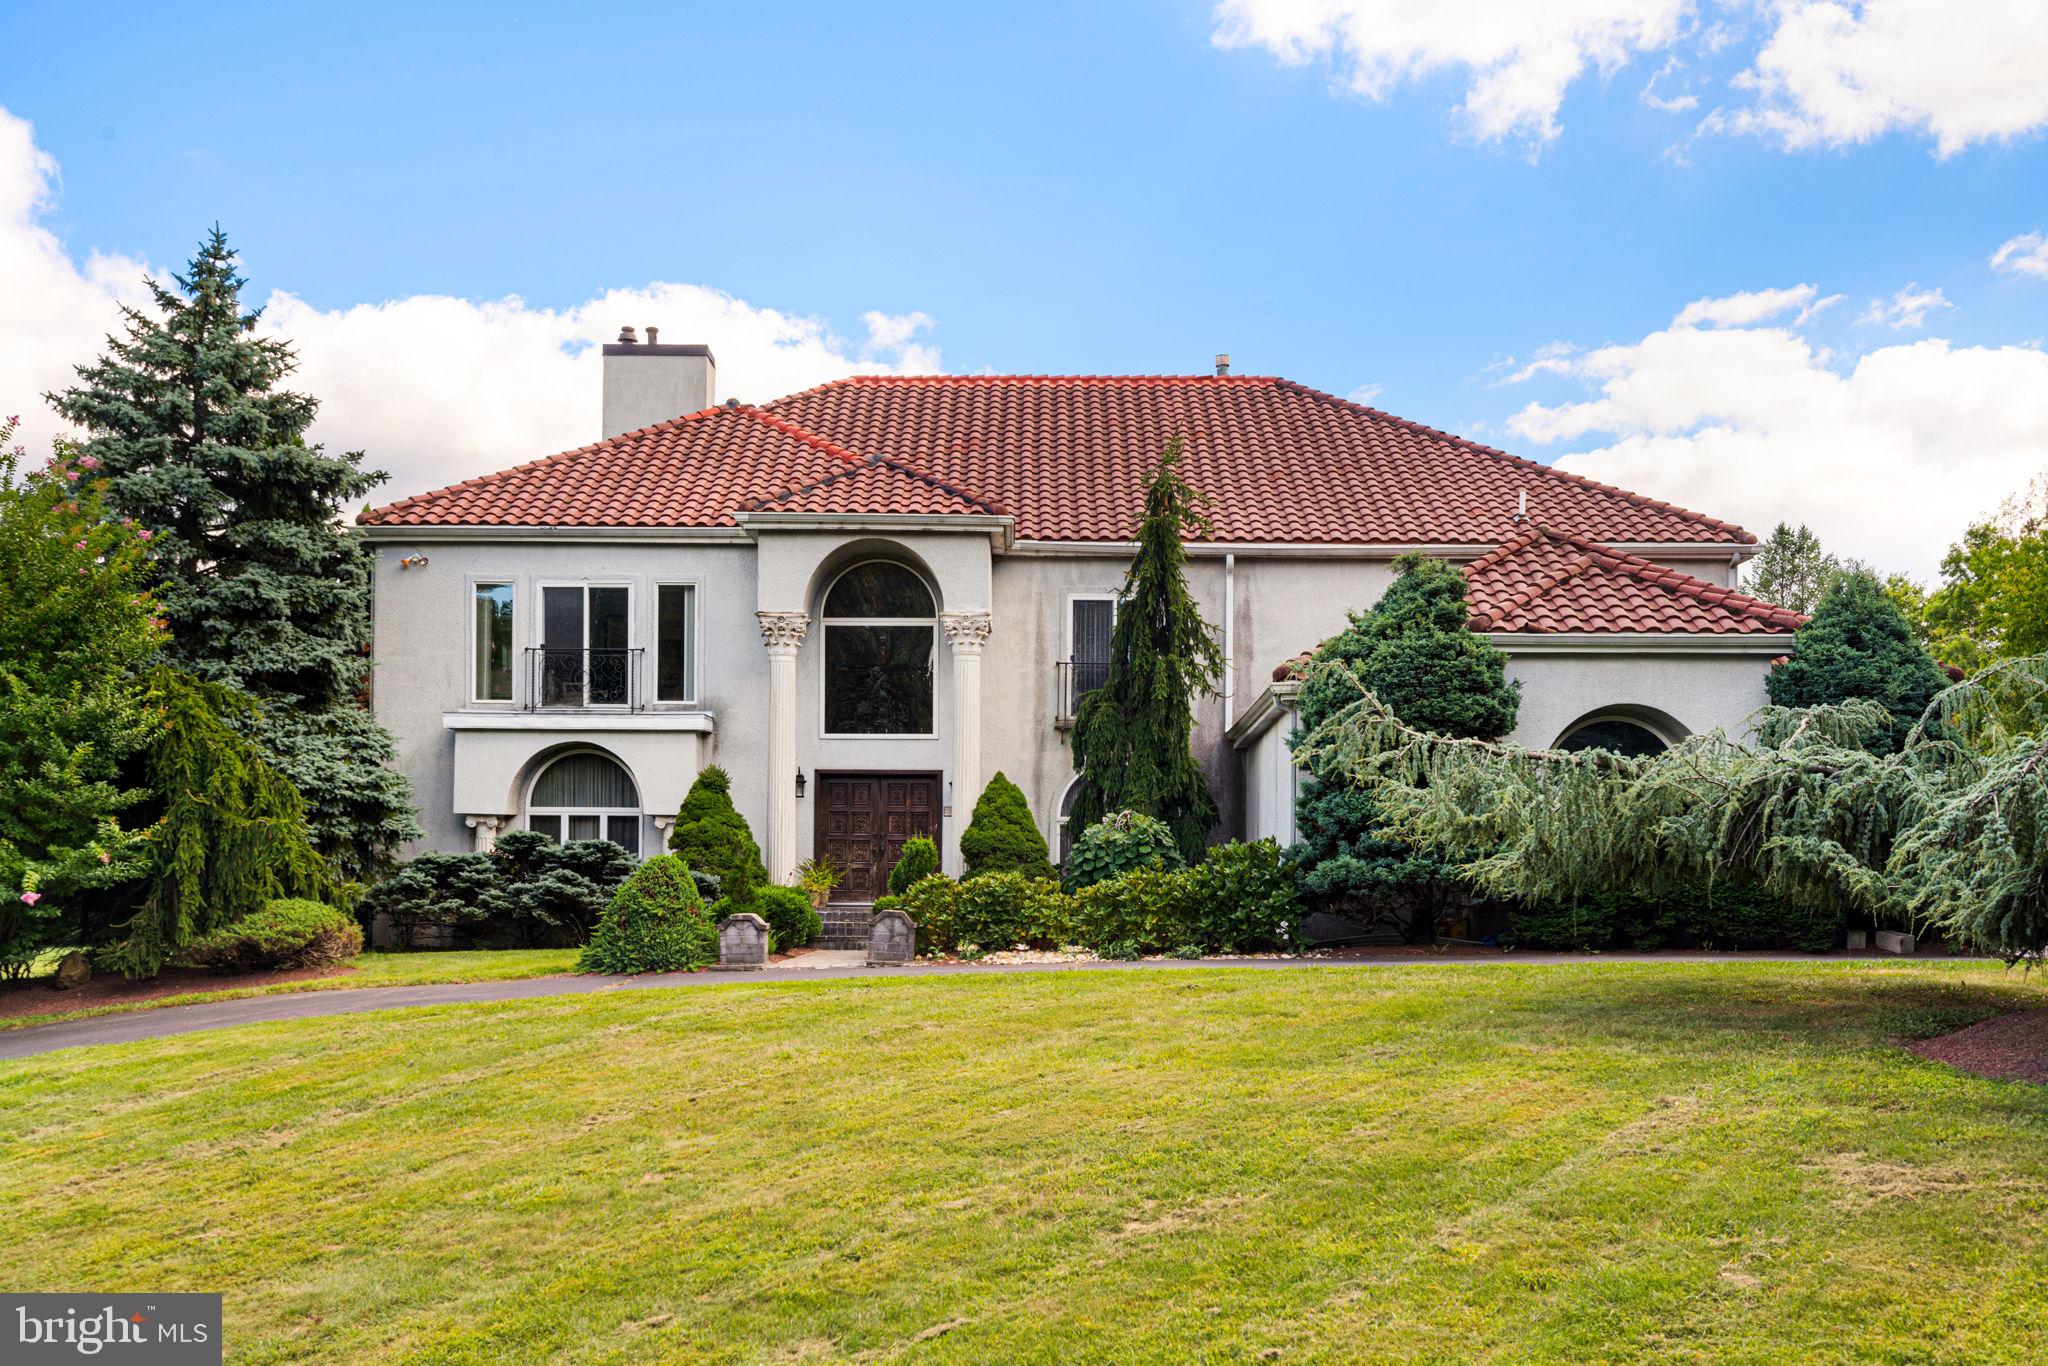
(371, 970)
(1492, 1163)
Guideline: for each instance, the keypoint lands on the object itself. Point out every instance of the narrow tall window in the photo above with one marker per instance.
(1094, 625)
(675, 643)
(493, 642)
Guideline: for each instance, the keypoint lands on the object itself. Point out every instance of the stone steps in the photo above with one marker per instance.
(846, 927)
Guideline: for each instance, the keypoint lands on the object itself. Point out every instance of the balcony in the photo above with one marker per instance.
(1074, 679)
(570, 680)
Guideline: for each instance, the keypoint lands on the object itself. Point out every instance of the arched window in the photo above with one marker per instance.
(1616, 735)
(881, 638)
(586, 796)
(1068, 834)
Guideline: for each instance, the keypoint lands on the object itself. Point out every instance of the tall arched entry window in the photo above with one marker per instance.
(881, 642)
(586, 796)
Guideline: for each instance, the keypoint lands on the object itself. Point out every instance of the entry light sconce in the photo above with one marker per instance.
(799, 784)
(414, 561)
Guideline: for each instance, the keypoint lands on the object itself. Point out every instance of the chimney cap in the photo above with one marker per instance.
(626, 337)
(1222, 362)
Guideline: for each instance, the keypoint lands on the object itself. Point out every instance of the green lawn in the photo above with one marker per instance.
(371, 970)
(1502, 1162)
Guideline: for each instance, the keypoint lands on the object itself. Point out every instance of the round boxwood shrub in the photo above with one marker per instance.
(656, 923)
(792, 920)
(918, 861)
(287, 933)
(1120, 843)
(1001, 837)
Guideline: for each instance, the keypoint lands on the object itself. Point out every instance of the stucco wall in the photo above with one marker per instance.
(1283, 606)
(1699, 692)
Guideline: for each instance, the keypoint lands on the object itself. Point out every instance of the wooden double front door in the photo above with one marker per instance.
(863, 821)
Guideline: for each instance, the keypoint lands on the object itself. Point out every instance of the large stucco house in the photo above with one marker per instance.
(864, 599)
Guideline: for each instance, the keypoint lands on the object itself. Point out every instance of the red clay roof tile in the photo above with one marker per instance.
(1067, 457)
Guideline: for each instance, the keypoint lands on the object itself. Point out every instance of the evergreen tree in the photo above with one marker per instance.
(1133, 736)
(713, 836)
(1858, 644)
(262, 586)
(1001, 837)
(1416, 653)
(1791, 569)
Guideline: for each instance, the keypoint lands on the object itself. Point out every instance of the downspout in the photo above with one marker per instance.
(1229, 638)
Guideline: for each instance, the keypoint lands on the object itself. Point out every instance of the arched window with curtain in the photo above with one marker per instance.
(1615, 734)
(586, 796)
(881, 643)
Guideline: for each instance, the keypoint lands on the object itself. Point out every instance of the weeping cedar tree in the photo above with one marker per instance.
(231, 832)
(1416, 653)
(1859, 644)
(1948, 831)
(1133, 735)
(261, 585)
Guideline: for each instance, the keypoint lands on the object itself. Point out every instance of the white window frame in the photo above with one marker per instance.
(690, 671)
(1067, 621)
(540, 626)
(825, 625)
(475, 582)
(605, 814)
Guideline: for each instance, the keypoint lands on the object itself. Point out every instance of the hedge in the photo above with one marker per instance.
(286, 933)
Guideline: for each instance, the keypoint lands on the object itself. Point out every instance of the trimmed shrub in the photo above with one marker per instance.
(286, 933)
(792, 920)
(1138, 912)
(1001, 837)
(930, 904)
(528, 892)
(451, 892)
(1725, 916)
(1002, 910)
(918, 861)
(711, 834)
(656, 923)
(1243, 897)
(1120, 842)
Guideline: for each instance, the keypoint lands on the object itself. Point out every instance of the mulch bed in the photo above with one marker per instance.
(2011, 1047)
(40, 998)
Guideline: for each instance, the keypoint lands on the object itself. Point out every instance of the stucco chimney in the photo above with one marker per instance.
(650, 383)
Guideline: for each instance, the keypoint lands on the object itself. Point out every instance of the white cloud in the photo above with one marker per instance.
(2026, 254)
(1518, 58)
(1365, 393)
(1749, 306)
(1962, 71)
(434, 389)
(1888, 455)
(1820, 73)
(1906, 309)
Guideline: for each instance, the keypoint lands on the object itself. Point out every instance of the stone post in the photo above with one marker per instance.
(894, 939)
(743, 942)
(485, 831)
(783, 634)
(966, 633)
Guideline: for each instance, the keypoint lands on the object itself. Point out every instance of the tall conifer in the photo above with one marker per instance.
(1133, 736)
(262, 585)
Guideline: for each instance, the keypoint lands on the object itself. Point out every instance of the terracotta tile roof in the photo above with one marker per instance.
(1066, 456)
(875, 485)
(1549, 580)
(1546, 582)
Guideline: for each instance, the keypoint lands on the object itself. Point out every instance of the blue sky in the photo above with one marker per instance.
(1083, 188)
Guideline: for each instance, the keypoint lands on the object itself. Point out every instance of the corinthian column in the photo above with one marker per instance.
(966, 633)
(783, 634)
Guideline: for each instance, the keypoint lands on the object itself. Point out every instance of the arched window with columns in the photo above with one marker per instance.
(881, 646)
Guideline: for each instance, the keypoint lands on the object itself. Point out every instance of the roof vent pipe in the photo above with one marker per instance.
(626, 337)
(1222, 362)
(652, 333)
(1521, 507)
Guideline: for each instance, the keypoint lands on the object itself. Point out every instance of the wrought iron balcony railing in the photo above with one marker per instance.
(562, 678)
(1073, 680)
